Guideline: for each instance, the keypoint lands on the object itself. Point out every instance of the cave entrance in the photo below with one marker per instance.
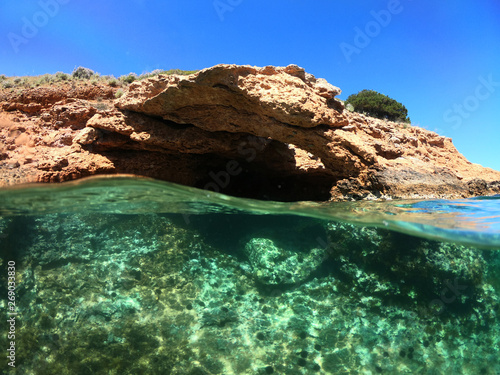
(257, 181)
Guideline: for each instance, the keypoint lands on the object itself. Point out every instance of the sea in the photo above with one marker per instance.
(129, 275)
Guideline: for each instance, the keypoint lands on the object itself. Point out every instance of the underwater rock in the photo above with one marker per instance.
(273, 265)
(436, 277)
(218, 316)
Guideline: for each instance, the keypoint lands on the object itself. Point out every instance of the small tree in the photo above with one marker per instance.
(378, 105)
(131, 77)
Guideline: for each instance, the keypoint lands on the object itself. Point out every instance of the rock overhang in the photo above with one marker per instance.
(282, 132)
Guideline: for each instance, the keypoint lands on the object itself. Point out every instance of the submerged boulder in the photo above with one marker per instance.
(433, 278)
(271, 264)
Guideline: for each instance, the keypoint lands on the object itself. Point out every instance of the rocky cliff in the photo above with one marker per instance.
(270, 133)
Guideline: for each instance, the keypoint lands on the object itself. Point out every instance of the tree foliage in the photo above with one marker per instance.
(378, 105)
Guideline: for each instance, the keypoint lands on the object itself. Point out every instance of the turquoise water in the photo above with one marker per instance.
(130, 275)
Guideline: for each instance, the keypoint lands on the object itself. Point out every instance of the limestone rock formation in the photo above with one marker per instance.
(271, 133)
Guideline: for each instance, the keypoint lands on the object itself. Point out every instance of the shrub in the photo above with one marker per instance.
(44, 79)
(82, 73)
(378, 105)
(129, 78)
(151, 74)
(113, 82)
(62, 76)
(7, 85)
(3, 77)
(100, 105)
(119, 93)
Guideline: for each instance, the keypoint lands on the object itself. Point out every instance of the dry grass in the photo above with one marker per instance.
(27, 82)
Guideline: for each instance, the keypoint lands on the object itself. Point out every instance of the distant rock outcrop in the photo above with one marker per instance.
(271, 133)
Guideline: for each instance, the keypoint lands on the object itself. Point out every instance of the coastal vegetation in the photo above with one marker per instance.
(375, 104)
(82, 74)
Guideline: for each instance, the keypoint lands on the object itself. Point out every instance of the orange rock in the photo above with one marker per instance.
(274, 133)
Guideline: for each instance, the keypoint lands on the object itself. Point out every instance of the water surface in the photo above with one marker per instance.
(474, 221)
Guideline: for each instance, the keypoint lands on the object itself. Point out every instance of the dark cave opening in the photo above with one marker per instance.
(255, 180)
(231, 176)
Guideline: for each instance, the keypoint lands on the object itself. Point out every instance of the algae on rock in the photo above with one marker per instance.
(271, 264)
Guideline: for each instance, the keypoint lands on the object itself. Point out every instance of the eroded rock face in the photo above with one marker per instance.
(240, 99)
(270, 133)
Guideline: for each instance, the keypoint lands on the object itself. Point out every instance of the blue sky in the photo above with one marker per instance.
(440, 59)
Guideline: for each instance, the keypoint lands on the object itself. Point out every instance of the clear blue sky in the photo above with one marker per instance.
(441, 59)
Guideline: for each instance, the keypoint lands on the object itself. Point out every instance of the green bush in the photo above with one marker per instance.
(62, 76)
(113, 82)
(129, 78)
(82, 73)
(45, 79)
(378, 105)
(119, 93)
